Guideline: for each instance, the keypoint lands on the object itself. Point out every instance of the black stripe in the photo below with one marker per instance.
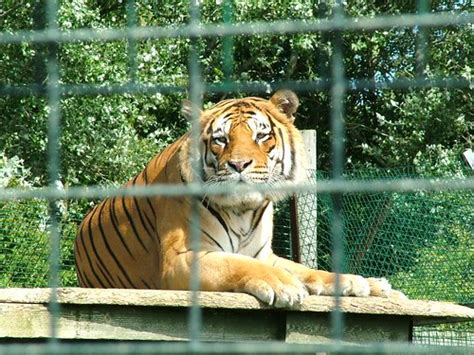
(77, 261)
(270, 119)
(103, 269)
(222, 222)
(94, 250)
(105, 272)
(80, 243)
(183, 180)
(209, 129)
(206, 151)
(130, 221)
(261, 248)
(183, 252)
(207, 252)
(76, 249)
(139, 210)
(272, 132)
(143, 217)
(98, 261)
(150, 223)
(215, 241)
(145, 178)
(237, 234)
(122, 284)
(115, 224)
(145, 283)
(80, 275)
(112, 254)
(217, 216)
(291, 174)
(167, 164)
(151, 207)
(88, 282)
(256, 219)
(271, 148)
(264, 172)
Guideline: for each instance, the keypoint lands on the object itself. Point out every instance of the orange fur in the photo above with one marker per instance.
(131, 242)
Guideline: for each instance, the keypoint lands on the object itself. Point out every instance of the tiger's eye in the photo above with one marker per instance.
(219, 140)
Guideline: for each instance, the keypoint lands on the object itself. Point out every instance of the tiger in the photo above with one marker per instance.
(144, 242)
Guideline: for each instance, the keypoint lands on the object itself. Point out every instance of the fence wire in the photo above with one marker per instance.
(51, 197)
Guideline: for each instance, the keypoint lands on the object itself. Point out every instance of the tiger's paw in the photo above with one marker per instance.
(278, 289)
(349, 285)
(380, 287)
(358, 286)
(323, 283)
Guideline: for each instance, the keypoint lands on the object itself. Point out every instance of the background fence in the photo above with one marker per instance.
(422, 242)
(37, 227)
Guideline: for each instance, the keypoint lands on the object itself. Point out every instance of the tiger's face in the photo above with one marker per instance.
(251, 141)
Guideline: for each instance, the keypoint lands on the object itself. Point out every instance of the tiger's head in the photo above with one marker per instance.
(249, 141)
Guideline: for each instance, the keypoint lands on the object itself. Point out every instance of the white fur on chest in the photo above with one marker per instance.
(247, 233)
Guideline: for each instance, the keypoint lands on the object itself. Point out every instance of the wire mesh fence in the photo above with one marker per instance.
(422, 242)
(36, 232)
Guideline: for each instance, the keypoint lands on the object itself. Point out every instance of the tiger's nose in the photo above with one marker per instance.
(239, 165)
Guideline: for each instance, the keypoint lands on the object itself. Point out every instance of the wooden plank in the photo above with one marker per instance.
(162, 315)
(309, 141)
(24, 320)
(131, 297)
(359, 328)
(234, 300)
(76, 321)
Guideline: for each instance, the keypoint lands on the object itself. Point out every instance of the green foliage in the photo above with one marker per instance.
(106, 139)
(24, 243)
(444, 270)
(24, 236)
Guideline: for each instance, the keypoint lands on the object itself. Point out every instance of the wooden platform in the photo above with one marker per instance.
(162, 315)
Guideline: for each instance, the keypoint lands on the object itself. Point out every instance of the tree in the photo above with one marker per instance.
(107, 139)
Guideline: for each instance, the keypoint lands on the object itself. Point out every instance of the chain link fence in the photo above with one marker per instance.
(415, 230)
(422, 242)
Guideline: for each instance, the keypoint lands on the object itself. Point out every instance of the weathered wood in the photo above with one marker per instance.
(309, 141)
(99, 321)
(359, 328)
(162, 315)
(234, 300)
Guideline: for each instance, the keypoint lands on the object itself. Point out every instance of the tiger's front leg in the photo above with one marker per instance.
(220, 271)
(319, 282)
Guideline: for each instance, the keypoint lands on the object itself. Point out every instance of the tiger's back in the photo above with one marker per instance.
(117, 244)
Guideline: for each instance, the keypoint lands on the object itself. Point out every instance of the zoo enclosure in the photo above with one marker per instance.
(338, 86)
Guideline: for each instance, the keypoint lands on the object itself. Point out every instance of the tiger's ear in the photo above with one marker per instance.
(187, 109)
(287, 102)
